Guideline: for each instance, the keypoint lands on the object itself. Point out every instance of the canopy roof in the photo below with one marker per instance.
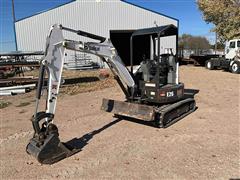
(168, 30)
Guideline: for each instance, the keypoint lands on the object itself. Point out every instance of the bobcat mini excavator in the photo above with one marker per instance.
(153, 91)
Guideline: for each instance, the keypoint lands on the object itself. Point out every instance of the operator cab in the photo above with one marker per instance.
(232, 47)
(156, 77)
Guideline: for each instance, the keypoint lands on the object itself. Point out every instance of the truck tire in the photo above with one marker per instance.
(209, 65)
(235, 68)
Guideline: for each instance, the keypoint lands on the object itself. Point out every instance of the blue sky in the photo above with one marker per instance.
(186, 11)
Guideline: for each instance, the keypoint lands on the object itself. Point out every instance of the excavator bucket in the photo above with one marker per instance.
(45, 145)
(49, 151)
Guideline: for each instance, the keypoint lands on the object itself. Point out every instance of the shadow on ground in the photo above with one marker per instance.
(77, 144)
(80, 80)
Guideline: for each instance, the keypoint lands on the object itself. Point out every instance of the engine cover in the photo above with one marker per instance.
(164, 94)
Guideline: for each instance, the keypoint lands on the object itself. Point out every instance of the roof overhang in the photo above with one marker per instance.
(161, 31)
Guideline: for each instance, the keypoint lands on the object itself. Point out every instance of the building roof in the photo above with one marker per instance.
(76, 0)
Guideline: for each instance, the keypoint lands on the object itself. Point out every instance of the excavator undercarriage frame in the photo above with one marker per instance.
(160, 116)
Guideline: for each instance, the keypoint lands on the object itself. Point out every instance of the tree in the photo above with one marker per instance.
(187, 41)
(220, 45)
(224, 14)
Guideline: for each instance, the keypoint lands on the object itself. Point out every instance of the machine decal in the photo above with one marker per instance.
(150, 85)
(170, 94)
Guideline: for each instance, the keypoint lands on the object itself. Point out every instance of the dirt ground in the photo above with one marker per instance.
(203, 145)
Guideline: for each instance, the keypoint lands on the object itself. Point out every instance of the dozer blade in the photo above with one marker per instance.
(48, 149)
(134, 110)
(162, 116)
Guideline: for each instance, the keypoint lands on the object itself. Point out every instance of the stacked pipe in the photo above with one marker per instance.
(14, 90)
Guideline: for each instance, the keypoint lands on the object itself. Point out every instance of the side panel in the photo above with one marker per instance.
(165, 94)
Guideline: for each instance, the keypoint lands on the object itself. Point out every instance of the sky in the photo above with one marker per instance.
(190, 18)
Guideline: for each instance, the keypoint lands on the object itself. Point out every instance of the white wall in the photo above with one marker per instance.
(95, 16)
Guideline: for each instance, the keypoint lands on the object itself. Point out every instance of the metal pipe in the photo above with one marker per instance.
(5, 93)
(177, 61)
(131, 53)
(158, 59)
(17, 87)
(12, 92)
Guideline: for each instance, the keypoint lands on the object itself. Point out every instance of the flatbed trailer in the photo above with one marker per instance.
(196, 60)
(20, 58)
(13, 62)
(195, 57)
(200, 60)
(20, 64)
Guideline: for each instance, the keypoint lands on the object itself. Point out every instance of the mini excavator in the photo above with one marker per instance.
(152, 89)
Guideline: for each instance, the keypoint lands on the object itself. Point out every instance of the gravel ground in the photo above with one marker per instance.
(203, 145)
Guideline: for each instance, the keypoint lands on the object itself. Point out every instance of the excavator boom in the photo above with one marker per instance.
(45, 144)
(55, 53)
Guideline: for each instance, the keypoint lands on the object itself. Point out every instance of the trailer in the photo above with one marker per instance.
(200, 59)
(196, 57)
(13, 62)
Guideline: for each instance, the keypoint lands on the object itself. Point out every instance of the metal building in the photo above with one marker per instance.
(95, 16)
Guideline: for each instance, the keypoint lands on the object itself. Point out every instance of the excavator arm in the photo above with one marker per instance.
(54, 59)
(45, 144)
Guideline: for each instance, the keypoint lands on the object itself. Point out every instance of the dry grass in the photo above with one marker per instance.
(4, 104)
(88, 87)
(22, 104)
(75, 82)
(81, 81)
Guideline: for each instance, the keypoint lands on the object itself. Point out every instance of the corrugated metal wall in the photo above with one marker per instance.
(95, 16)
